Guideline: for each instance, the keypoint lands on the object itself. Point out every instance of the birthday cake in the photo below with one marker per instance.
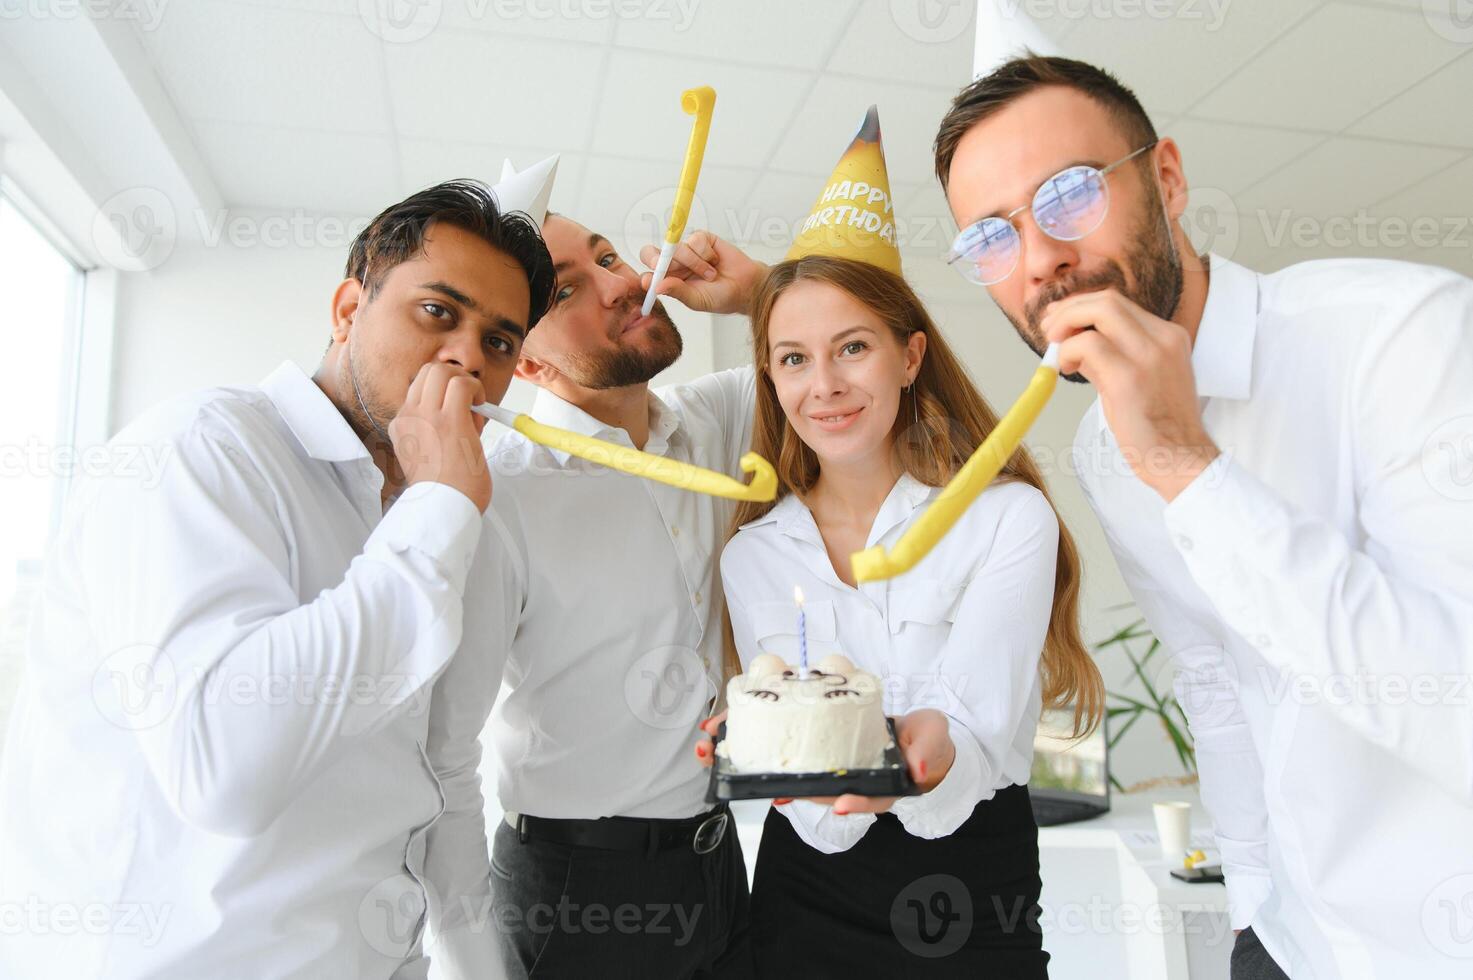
(781, 718)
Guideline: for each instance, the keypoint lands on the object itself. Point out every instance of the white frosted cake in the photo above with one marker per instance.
(831, 719)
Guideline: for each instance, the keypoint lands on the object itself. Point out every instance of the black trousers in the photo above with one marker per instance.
(895, 905)
(1251, 961)
(579, 912)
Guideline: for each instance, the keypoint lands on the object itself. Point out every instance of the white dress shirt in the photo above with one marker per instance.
(1315, 586)
(610, 646)
(220, 763)
(961, 632)
(615, 654)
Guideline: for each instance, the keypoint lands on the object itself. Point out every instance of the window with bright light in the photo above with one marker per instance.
(39, 309)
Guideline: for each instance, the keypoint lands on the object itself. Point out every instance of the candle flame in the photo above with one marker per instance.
(798, 595)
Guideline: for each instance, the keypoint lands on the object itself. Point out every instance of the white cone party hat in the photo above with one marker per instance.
(527, 191)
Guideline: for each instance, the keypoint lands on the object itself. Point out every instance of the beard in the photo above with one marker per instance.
(1154, 266)
(367, 411)
(630, 363)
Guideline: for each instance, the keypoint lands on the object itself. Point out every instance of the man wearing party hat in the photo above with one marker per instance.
(609, 862)
(1279, 462)
(226, 759)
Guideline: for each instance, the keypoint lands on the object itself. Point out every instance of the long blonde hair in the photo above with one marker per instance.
(935, 433)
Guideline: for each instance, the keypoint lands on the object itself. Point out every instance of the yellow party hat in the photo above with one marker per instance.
(854, 217)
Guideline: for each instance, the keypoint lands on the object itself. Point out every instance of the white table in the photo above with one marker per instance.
(1112, 909)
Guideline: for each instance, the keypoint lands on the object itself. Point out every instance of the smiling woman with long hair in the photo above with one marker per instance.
(867, 413)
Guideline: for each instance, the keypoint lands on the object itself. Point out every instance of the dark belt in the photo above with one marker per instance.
(702, 833)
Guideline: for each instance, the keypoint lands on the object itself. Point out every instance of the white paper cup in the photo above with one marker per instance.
(1174, 827)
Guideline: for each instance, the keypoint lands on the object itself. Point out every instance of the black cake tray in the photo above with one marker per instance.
(891, 779)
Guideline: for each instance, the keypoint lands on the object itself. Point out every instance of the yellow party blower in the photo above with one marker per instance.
(698, 102)
(625, 459)
(873, 564)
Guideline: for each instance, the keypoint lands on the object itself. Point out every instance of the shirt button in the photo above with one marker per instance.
(698, 598)
(675, 532)
(1184, 542)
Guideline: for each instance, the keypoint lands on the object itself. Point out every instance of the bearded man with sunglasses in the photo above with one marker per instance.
(1294, 520)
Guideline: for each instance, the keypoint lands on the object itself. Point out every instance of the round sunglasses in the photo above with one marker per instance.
(1069, 205)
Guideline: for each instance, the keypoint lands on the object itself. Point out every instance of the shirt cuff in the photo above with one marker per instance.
(436, 520)
(470, 951)
(950, 802)
(1246, 892)
(823, 829)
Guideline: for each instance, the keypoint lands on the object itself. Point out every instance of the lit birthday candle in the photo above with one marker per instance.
(802, 633)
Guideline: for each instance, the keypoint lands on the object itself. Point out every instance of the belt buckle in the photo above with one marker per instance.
(710, 833)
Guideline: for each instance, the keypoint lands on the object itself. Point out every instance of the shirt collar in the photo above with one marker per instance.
(311, 416)
(1222, 354)
(550, 409)
(793, 518)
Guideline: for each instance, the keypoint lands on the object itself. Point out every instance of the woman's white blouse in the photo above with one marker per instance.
(962, 632)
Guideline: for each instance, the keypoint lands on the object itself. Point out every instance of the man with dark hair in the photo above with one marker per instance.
(1275, 459)
(226, 760)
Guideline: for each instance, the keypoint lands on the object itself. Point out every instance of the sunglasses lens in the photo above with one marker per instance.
(987, 251)
(1071, 204)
